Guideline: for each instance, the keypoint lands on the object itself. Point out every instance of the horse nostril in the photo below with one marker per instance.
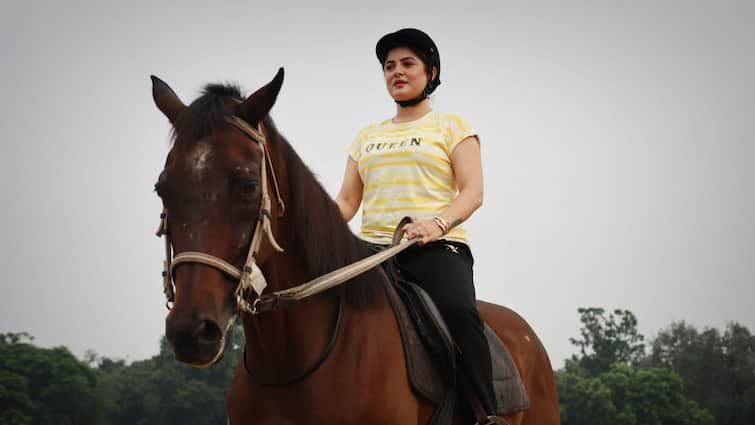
(207, 333)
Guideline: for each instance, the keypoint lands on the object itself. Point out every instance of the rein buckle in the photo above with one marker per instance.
(255, 306)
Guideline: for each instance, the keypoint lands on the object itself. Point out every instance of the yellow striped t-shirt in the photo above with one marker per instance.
(406, 170)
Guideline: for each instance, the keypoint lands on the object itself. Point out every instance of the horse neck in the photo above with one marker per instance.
(285, 342)
(289, 339)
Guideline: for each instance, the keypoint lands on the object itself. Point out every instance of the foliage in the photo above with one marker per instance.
(604, 384)
(162, 391)
(50, 386)
(718, 370)
(710, 374)
(627, 396)
(689, 378)
(46, 386)
(606, 340)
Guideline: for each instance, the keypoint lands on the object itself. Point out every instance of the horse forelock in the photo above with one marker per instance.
(205, 115)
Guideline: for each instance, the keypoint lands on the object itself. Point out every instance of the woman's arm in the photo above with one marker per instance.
(467, 166)
(350, 196)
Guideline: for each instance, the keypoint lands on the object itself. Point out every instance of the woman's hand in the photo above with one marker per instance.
(427, 230)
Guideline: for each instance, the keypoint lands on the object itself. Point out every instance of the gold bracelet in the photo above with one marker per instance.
(443, 224)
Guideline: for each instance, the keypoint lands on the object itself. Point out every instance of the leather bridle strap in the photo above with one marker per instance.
(304, 375)
(259, 137)
(210, 260)
(290, 296)
(250, 277)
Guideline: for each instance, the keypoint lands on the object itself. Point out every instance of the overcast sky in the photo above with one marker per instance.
(618, 142)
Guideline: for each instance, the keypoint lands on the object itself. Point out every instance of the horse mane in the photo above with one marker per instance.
(318, 227)
(320, 230)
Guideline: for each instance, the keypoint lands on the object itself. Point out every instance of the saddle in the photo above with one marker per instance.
(431, 354)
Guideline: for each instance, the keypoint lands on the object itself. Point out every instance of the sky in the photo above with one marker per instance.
(618, 141)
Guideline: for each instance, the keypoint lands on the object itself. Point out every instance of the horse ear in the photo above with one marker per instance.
(256, 106)
(166, 99)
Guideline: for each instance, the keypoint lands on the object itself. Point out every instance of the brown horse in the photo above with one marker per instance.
(335, 358)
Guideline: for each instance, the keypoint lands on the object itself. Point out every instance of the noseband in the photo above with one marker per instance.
(250, 277)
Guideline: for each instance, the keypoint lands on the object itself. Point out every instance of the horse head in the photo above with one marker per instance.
(212, 193)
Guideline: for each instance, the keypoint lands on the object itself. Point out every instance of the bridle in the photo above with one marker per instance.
(251, 282)
(250, 277)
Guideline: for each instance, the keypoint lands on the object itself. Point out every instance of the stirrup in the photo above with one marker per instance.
(493, 420)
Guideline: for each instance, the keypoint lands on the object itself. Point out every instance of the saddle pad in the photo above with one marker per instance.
(423, 375)
(423, 363)
(431, 328)
(510, 394)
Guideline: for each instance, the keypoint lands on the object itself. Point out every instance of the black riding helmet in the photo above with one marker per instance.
(414, 38)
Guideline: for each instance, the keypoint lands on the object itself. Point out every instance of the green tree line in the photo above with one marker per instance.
(688, 377)
(681, 377)
(50, 386)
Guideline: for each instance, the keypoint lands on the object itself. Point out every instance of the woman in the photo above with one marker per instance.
(423, 164)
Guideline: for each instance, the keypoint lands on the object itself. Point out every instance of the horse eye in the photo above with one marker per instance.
(249, 189)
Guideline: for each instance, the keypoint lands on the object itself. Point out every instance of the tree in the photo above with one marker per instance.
(50, 386)
(627, 396)
(717, 369)
(45, 386)
(606, 383)
(606, 340)
(162, 391)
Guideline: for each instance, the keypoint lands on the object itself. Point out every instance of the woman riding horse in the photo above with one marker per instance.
(246, 222)
(425, 164)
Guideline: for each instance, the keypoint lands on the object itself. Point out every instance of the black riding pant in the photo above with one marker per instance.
(444, 270)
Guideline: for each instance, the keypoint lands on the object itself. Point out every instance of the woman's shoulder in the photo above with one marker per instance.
(452, 118)
(456, 128)
(371, 127)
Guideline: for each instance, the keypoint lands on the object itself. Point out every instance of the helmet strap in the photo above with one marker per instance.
(416, 100)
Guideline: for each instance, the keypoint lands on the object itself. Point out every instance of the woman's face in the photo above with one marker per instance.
(405, 75)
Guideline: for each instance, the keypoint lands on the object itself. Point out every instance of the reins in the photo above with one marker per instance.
(290, 296)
